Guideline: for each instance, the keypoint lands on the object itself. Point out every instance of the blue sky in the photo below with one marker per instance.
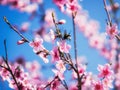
(96, 11)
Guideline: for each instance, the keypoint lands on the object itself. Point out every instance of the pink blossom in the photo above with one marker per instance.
(107, 83)
(55, 54)
(4, 73)
(112, 30)
(39, 49)
(62, 21)
(63, 46)
(37, 1)
(3, 2)
(50, 37)
(36, 44)
(58, 73)
(30, 8)
(105, 71)
(43, 55)
(91, 28)
(33, 66)
(60, 66)
(97, 85)
(55, 84)
(81, 70)
(18, 3)
(97, 41)
(49, 18)
(88, 79)
(73, 87)
(113, 7)
(73, 6)
(60, 4)
(21, 41)
(81, 20)
(25, 26)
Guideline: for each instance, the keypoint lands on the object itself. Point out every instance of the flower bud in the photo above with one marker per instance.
(21, 41)
(62, 21)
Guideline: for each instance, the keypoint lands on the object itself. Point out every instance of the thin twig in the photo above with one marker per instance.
(75, 51)
(74, 35)
(108, 14)
(54, 21)
(12, 27)
(5, 50)
(4, 67)
(64, 83)
(51, 82)
(8, 67)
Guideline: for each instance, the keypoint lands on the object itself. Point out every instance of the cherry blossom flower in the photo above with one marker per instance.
(25, 26)
(36, 44)
(60, 4)
(113, 7)
(21, 41)
(97, 41)
(112, 30)
(105, 71)
(60, 66)
(37, 1)
(4, 73)
(54, 85)
(33, 66)
(97, 85)
(81, 70)
(72, 6)
(55, 54)
(50, 37)
(91, 28)
(63, 46)
(48, 18)
(31, 8)
(60, 69)
(88, 79)
(107, 83)
(39, 49)
(43, 55)
(58, 73)
(62, 21)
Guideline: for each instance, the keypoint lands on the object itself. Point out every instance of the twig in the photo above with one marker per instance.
(12, 27)
(74, 35)
(64, 84)
(4, 67)
(5, 50)
(8, 67)
(54, 21)
(108, 14)
(51, 82)
(75, 51)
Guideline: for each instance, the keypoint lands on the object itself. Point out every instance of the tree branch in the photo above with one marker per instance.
(12, 27)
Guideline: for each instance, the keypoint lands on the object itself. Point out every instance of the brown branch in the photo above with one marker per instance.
(66, 58)
(51, 82)
(75, 51)
(8, 67)
(4, 67)
(12, 27)
(108, 14)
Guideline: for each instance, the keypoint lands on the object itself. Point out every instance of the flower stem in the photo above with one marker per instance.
(75, 51)
(108, 14)
(12, 27)
(8, 67)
